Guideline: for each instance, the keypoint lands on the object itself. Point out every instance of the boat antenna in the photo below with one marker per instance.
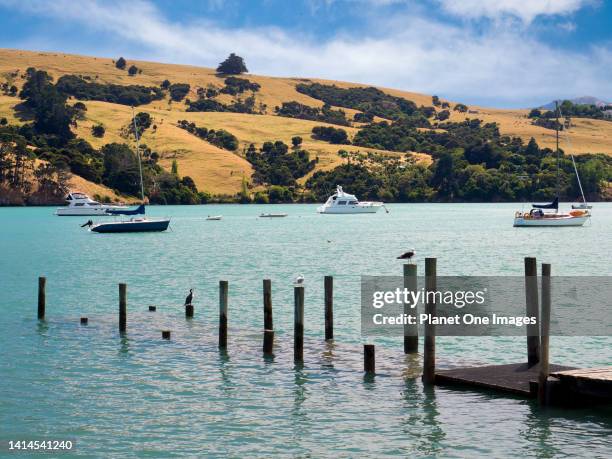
(138, 154)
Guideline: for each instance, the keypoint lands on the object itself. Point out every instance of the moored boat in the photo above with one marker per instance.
(344, 203)
(133, 225)
(273, 215)
(81, 205)
(214, 217)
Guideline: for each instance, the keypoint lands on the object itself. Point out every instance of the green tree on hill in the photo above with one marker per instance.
(133, 70)
(233, 65)
(121, 63)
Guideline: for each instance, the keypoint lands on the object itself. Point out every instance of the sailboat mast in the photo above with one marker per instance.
(557, 129)
(138, 154)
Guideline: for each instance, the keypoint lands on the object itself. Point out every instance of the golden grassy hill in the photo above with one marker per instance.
(220, 171)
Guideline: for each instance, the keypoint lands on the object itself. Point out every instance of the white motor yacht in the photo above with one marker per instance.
(345, 203)
(79, 204)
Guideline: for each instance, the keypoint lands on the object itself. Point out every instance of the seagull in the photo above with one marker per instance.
(299, 280)
(189, 298)
(88, 223)
(407, 255)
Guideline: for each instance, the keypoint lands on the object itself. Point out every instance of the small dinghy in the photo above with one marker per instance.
(214, 217)
(273, 215)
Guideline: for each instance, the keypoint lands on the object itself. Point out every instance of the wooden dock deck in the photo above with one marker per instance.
(592, 382)
(515, 378)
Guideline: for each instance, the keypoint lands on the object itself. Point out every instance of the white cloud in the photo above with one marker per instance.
(502, 65)
(526, 10)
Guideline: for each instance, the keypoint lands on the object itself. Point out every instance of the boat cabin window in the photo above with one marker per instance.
(334, 198)
(94, 203)
(341, 203)
(353, 203)
(78, 204)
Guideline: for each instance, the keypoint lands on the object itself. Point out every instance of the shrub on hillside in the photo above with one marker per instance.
(330, 134)
(233, 65)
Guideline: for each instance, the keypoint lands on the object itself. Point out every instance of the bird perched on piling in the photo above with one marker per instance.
(189, 298)
(299, 280)
(407, 255)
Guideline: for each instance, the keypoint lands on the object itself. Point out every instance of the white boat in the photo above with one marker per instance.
(536, 217)
(345, 203)
(548, 214)
(133, 224)
(214, 217)
(273, 215)
(79, 204)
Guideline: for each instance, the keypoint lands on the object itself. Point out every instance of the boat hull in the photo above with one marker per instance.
(552, 221)
(83, 211)
(142, 226)
(349, 209)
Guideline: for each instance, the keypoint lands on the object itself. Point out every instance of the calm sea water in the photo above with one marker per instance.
(139, 396)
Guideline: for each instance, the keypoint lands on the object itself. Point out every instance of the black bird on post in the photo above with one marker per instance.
(189, 298)
(407, 255)
(88, 223)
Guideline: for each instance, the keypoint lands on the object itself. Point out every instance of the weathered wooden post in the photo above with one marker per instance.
(329, 308)
(189, 311)
(122, 308)
(298, 324)
(531, 309)
(152, 308)
(223, 314)
(545, 334)
(165, 334)
(369, 359)
(429, 346)
(268, 341)
(42, 297)
(411, 332)
(84, 320)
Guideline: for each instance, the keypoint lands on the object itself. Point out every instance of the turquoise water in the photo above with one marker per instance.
(139, 396)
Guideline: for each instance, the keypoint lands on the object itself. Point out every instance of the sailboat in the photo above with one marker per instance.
(548, 214)
(135, 224)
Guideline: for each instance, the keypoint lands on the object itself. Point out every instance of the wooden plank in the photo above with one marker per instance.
(512, 378)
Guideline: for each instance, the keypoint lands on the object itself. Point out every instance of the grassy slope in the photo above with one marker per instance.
(219, 171)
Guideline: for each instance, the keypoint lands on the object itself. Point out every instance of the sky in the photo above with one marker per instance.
(500, 53)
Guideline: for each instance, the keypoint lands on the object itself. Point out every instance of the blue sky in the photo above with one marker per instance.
(506, 53)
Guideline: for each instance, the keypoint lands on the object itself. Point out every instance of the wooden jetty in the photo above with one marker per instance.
(535, 378)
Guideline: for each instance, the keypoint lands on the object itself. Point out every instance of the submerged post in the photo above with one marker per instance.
(189, 311)
(369, 359)
(165, 334)
(545, 333)
(223, 314)
(329, 308)
(531, 309)
(84, 320)
(298, 324)
(411, 332)
(42, 297)
(429, 346)
(122, 308)
(268, 339)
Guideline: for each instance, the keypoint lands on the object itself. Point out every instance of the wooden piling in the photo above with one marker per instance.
(329, 308)
(189, 311)
(429, 345)
(223, 314)
(268, 342)
(298, 324)
(545, 333)
(411, 332)
(84, 320)
(165, 334)
(122, 308)
(369, 359)
(267, 304)
(152, 308)
(42, 297)
(532, 310)
(268, 338)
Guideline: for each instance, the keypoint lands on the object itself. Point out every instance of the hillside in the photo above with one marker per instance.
(219, 171)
